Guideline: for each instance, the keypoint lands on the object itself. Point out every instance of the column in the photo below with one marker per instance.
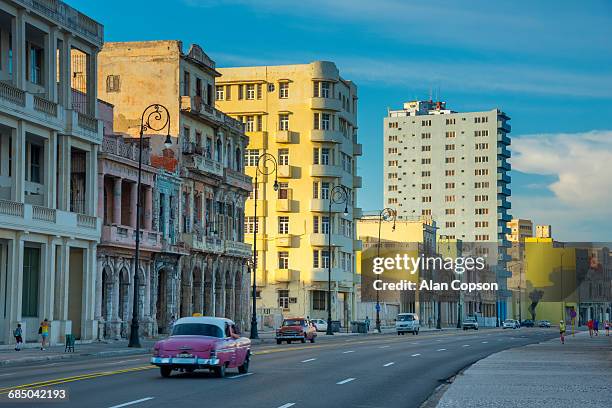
(48, 281)
(101, 201)
(19, 163)
(92, 83)
(50, 64)
(89, 324)
(63, 184)
(14, 286)
(117, 201)
(18, 46)
(91, 178)
(133, 204)
(51, 170)
(148, 208)
(66, 76)
(191, 208)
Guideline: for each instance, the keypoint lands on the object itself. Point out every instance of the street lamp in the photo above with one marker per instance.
(156, 118)
(338, 195)
(262, 168)
(384, 214)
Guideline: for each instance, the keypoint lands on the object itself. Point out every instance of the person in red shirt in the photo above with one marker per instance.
(590, 326)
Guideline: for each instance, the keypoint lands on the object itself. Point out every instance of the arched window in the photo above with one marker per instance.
(228, 155)
(219, 148)
(238, 159)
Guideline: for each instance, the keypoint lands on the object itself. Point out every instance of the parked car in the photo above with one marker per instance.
(511, 324)
(320, 324)
(527, 323)
(296, 328)
(470, 322)
(544, 323)
(407, 323)
(195, 343)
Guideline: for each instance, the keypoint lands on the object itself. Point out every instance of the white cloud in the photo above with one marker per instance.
(582, 166)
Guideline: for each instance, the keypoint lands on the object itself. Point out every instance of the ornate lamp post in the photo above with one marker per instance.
(338, 195)
(156, 118)
(384, 215)
(262, 167)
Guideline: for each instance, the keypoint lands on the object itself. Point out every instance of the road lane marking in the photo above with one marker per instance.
(484, 342)
(441, 350)
(416, 355)
(132, 402)
(287, 405)
(122, 361)
(438, 340)
(348, 351)
(384, 346)
(240, 375)
(348, 380)
(414, 342)
(308, 360)
(389, 364)
(466, 345)
(64, 380)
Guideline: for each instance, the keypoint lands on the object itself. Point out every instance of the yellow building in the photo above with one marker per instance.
(306, 116)
(550, 280)
(519, 230)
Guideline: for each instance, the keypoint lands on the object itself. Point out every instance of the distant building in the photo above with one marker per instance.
(49, 142)
(453, 167)
(519, 230)
(543, 231)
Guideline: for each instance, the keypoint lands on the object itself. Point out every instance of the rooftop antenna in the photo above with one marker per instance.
(430, 94)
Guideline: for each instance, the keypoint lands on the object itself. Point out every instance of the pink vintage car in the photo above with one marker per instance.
(202, 343)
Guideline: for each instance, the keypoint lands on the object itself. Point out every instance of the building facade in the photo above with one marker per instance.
(519, 230)
(306, 116)
(452, 166)
(49, 141)
(207, 155)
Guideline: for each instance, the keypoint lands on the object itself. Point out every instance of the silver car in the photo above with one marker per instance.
(407, 323)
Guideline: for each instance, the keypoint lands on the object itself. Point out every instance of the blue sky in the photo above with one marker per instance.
(548, 64)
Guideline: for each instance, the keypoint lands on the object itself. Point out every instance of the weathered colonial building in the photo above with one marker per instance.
(49, 140)
(207, 156)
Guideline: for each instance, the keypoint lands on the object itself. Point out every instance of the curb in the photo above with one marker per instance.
(67, 356)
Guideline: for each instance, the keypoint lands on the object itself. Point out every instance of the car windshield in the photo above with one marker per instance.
(470, 319)
(405, 318)
(197, 329)
(293, 322)
(509, 321)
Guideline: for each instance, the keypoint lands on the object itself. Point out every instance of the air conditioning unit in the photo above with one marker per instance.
(270, 87)
(292, 300)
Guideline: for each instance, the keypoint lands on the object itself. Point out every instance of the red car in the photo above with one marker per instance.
(197, 343)
(298, 329)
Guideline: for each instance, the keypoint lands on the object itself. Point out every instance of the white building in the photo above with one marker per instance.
(452, 166)
(49, 140)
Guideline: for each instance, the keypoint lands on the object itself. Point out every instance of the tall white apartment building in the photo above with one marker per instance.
(451, 166)
(49, 141)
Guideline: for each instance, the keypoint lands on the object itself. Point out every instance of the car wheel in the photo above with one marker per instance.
(220, 371)
(278, 341)
(303, 340)
(244, 368)
(398, 333)
(189, 370)
(165, 371)
(288, 341)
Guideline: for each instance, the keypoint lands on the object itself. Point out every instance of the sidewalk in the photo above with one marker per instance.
(549, 374)
(32, 354)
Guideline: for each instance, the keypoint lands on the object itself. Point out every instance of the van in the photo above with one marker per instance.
(407, 322)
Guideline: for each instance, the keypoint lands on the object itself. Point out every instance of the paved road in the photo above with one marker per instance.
(373, 371)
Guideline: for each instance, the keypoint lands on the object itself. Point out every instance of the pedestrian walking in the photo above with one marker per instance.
(590, 326)
(171, 324)
(607, 327)
(596, 327)
(18, 334)
(367, 324)
(43, 330)
(562, 331)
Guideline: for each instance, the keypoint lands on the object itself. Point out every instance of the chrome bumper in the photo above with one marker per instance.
(194, 361)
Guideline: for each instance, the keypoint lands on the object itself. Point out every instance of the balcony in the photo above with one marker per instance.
(503, 190)
(319, 240)
(287, 136)
(337, 275)
(237, 179)
(502, 151)
(503, 164)
(504, 178)
(326, 104)
(337, 240)
(258, 140)
(504, 216)
(238, 249)
(503, 203)
(199, 242)
(203, 165)
(285, 171)
(323, 170)
(286, 205)
(287, 241)
(357, 182)
(286, 275)
(357, 149)
(38, 219)
(503, 229)
(503, 138)
(504, 125)
(326, 136)
(124, 236)
(195, 106)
